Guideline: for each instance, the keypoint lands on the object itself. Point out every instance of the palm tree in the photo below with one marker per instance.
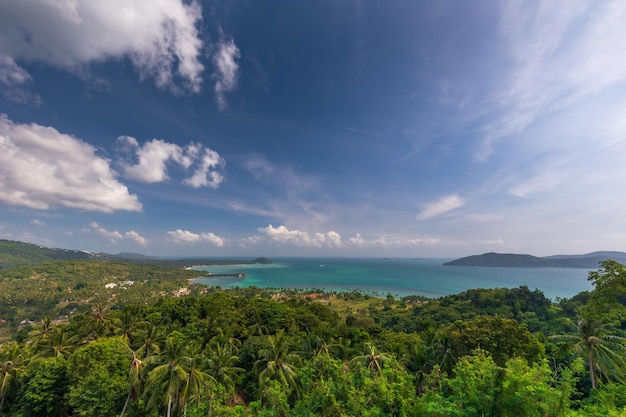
(373, 359)
(98, 323)
(221, 364)
(315, 345)
(151, 339)
(341, 348)
(444, 352)
(196, 381)
(41, 333)
(125, 324)
(325, 331)
(59, 343)
(603, 352)
(134, 378)
(312, 345)
(224, 338)
(11, 358)
(221, 360)
(257, 328)
(170, 373)
(277, 363)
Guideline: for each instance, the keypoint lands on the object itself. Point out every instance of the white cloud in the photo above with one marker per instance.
(15, 82)
(114, 236)
(132, 235)
(160, 37)
(185, 236)
(357, 240)
(37, 222)
(253, 209)
(205, 175)
(333, 239)
(153, 157)
(11, 73)
(42, 168)
(441, 206)
(562, 53)
(226, 69)
(212, 238)
(283, 235)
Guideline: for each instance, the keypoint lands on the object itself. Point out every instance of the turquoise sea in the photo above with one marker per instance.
(399, 277)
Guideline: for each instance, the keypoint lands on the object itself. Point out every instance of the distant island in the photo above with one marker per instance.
(512, 260)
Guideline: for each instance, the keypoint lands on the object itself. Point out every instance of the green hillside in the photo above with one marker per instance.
(512, 260)
(501, 260)
(13, 254)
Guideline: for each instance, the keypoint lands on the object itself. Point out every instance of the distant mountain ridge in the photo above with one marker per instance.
(512, 260)
(14, 253)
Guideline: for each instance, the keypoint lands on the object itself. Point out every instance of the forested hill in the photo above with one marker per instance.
(511, 260)
(14, 254)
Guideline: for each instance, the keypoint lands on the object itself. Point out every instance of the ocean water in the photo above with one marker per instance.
(399, 277)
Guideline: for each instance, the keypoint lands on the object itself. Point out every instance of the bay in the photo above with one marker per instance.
(399, 277)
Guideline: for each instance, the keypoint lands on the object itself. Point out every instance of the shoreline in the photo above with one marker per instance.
(220, 265)
(425, 277)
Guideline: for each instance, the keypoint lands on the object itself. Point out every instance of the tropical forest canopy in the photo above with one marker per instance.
(101, 338)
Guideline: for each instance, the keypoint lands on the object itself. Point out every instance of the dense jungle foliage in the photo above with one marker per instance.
(161, 346)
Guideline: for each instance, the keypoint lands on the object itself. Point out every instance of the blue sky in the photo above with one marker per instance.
(352, 128)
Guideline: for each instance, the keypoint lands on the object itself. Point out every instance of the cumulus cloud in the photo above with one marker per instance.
(37, 222)
(132, 235)
(205, 175)
(332, 239)
(441, 206)
(226, 68)
(153, 157)
(358, 241)
(42, 168)
(160, 37)
(185, 236)
(114, 236)
(283, 235)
